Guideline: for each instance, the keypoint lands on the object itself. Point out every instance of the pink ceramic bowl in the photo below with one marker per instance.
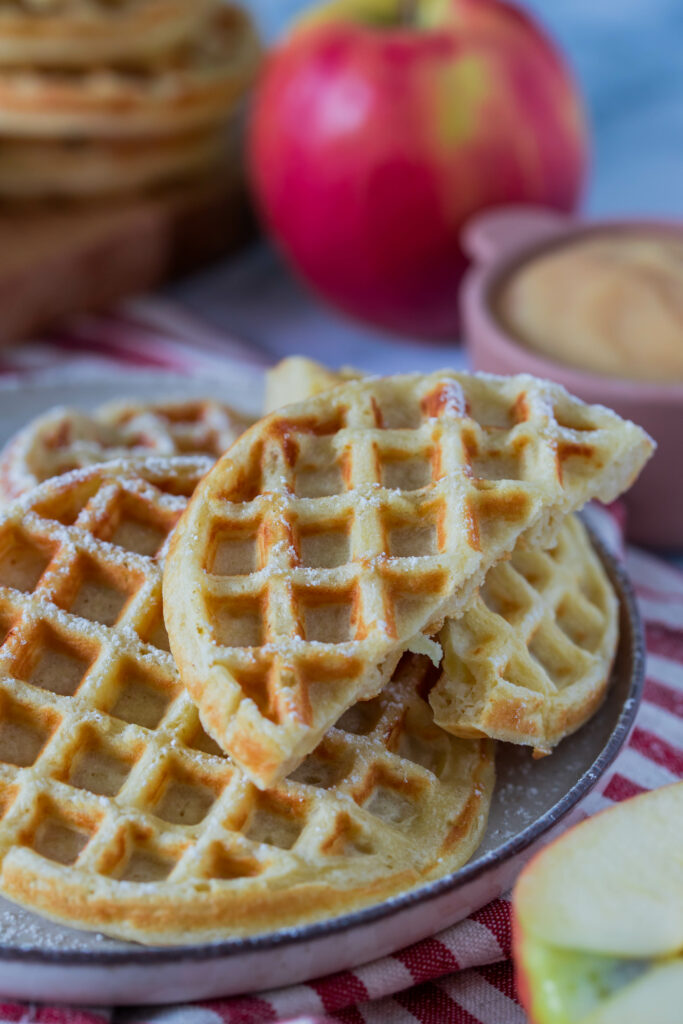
(498, 243)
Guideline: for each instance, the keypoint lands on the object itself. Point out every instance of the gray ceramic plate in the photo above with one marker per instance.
(43, 961)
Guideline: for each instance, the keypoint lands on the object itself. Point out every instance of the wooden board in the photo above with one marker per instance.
(60, 260)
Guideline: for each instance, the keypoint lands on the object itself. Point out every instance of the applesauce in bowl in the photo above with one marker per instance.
(610, 303)
(598, 307)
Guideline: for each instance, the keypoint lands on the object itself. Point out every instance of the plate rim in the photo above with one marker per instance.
(51, 378)
(142, 956)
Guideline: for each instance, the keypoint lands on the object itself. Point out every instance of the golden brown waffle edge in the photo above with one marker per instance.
(530, 659)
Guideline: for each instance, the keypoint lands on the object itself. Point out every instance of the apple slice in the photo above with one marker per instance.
(598, 918)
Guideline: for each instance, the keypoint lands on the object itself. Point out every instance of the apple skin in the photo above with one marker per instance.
(597, 918)
(371, 144)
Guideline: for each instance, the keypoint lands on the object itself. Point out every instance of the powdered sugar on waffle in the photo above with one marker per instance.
(63, 439)
(505, 457)
(122, 815)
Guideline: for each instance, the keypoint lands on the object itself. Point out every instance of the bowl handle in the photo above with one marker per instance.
(499, 232)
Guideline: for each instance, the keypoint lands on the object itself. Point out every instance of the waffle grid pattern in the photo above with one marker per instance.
(530, 660)
(198, 87)
(76, 33)
(64, 439)
(118, 810)
(339, 529)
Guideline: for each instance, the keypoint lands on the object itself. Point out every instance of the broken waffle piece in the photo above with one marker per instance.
(530, 660)
(338, 531)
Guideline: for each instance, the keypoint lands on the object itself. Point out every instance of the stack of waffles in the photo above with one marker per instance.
(252, 676)
(100, 97)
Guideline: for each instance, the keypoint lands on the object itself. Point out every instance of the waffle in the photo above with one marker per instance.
(530, 660)
(200, 88)
(336, 533)
(552, 616)
(65, 439)
(120, 814)
(82, 33)
(295, 378)
(46, 169)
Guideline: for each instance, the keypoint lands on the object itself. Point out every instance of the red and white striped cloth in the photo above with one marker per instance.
(463, 975)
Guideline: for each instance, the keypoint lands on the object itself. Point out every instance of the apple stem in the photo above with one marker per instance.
(408, 11)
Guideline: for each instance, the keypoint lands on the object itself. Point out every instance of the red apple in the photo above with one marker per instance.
(380, 126)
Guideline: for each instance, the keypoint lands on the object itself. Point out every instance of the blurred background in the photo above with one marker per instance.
(627, 57)
(376, 144)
